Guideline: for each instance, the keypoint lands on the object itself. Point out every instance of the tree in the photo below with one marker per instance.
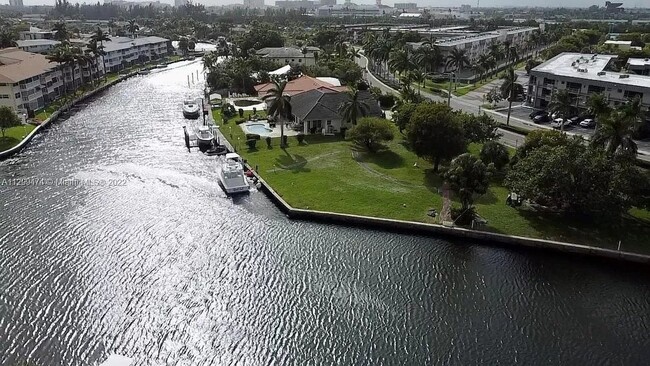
(280, 106)
(183, 45)
(467, 176)
(434, 133)
(495, 153)
(402, 115)
(133, 27)
(400, 61)
(61, 32)
(100, 36)
(371, 132)
(510, 88)
(457, 59)
(8, 119)
(562, 103)
(494, 96)
(479, 128)
(353, 108)
(615, 134)
(598, 105)
(8, 39)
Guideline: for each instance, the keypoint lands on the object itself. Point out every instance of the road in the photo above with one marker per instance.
(471, 103)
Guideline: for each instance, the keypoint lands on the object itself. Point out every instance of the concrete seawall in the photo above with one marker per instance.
(447, 231)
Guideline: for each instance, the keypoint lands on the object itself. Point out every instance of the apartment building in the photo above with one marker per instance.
(29, 81)
(35, 33)
(349, 10)
(288, 55)
(123, 51)
(37, 45)
(582, 75)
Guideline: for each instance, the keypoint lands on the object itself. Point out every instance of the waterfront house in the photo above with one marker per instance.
(317, 110)
(301, 85)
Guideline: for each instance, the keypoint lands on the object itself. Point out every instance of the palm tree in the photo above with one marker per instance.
(7, 39)
(62, 55)
(133, 27)
(512, 54)
(352, 108)
(353, 54)
(496, 51)
(183, 45)
(61, 33)
(598, 105)
(419, 77)
(457, 59)
(94, 51)
(562, 103)
(100, 36)
(478, 70)
(509, 89)
(485, 62)
(400, 61)
(280, 106)
(615, 134)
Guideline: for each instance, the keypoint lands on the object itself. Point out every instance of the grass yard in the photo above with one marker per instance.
(330, 174)
(460, 89)
(14, 135)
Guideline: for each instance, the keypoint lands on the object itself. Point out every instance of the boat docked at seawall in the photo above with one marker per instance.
(232, 176)
(191, 109)
(204, 138)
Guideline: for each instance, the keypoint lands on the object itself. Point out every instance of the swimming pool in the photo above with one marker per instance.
(258, 128)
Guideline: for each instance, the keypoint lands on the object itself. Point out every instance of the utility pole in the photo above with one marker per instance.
(451, 75)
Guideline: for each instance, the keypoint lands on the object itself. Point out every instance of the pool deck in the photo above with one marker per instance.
(261, 106)
(275, 131)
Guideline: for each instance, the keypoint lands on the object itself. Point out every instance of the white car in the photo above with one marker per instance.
(557, 123)
(587, 123)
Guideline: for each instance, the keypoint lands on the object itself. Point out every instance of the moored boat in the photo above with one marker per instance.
(191, 109)
(204, 138)
(232, 177)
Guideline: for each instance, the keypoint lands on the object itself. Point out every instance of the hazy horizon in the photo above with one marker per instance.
(443, 3)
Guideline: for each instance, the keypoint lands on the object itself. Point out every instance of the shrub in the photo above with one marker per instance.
(268, 141)
(253, 136)
(370, 132)
(251, 143)
(386, 101)
(301, 138)
(285, 140)
(463, 216)
(239, 121)
(241, 113)
(494, 153)
(254, 110)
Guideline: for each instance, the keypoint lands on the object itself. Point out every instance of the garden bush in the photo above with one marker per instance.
(268, 141)
(253, 136)
(239, 121)
(301, 138)
(251, 143)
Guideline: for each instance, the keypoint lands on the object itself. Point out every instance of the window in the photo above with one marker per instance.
(299, 60)
(17, 95)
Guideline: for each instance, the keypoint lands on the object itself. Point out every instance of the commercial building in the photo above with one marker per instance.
(349, 10)
(327, 2)
(618, 45)
(585, 74)
(29, 81)
(256, 4)
(124, 51)
(37, 45)
(35, 33)
(640, 66)
(17, 3)
(288, 55)
(296, 4)
(405, 6)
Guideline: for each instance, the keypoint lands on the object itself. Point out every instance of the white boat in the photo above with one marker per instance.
(191, 109)
(232, 175)
(204, 137)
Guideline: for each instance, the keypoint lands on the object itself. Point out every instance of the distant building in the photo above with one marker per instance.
(619, 45)
(406, 6)
(349, 10)
(178, 3)
(254, 4)
(611, 7)
(123, 51)
(287, 56)
(586, 74)
(295, 4)
(639, 66)
(327, 2)
(17, 3)
(37, 45)
(35, 33)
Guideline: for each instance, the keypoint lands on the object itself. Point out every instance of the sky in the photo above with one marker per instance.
(435, 3)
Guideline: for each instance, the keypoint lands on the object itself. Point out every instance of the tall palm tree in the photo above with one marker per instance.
(615, 134)
(419, 77)
(509, 90)
(353, 53)
(457, 59)
(400, 62)
(94, 51)
(485, 62)
(598, 105)
(61, 32)
(478, 69)
(562, 103)
(8, 39)
(280, 106)
(353, 108)
(133, 27)
(512, 54)
(62, 54)
(496, 51)
(100, 36)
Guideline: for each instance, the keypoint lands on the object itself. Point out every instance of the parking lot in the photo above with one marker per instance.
(522, 112)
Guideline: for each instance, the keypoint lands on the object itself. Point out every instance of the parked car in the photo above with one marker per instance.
(534, 114)
(588, 123)
(559, 122)
(574, 120)
(541, 118)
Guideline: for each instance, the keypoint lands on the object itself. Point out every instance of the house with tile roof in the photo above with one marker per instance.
(300, 85)
(317, 110)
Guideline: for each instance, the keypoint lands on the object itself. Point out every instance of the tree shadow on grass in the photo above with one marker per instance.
(382, 156)
(8, 142)
(433, 181)
(295, 163)
(489, 198)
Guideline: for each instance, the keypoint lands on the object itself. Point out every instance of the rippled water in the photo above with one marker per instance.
(163, 267)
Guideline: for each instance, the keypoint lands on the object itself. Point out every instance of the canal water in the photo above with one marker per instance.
(115, 239)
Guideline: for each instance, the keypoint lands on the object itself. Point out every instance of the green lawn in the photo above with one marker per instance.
(457, 90)
(14, 135)
(331, 174)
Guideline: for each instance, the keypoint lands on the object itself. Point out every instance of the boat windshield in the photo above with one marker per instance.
(233, 174)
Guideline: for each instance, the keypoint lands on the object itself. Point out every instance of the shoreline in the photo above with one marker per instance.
(55, 115)
(410, 227)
